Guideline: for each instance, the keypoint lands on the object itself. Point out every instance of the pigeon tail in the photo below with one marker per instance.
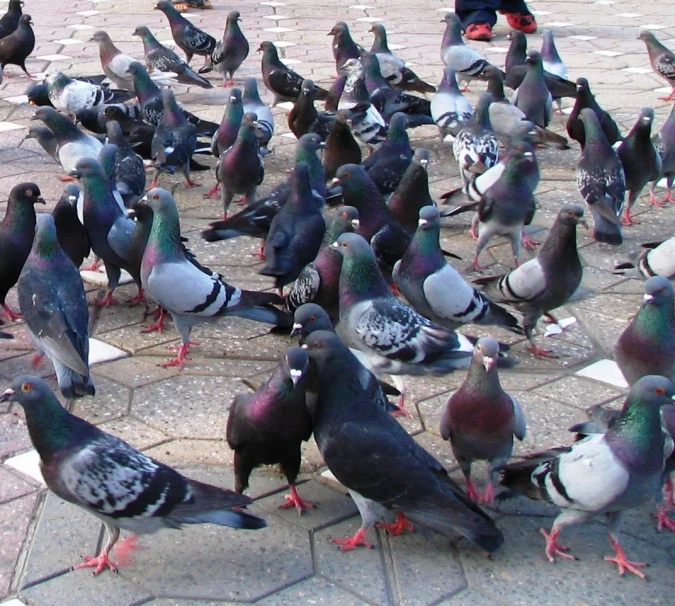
(605, 231)
(73, 385)
(225, 517)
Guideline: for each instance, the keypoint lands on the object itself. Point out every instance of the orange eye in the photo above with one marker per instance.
(660, 390)
(155, 197)
(26, 387)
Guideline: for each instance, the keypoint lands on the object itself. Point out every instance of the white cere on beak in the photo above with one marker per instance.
(296, 375)
(422, 222)
(355, 223)
(647, 298)
(488, 362)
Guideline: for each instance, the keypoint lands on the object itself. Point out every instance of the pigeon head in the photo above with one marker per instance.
(346, 219)
(572, 214)
(518, 42)
(339, 28)
(39, 132)
(56, 122)
(486, 352)
(143, 33)
(251, 90)
(307, 87)
(15, 6)
(321, 345)
(352, 67)
(268, 50)
(235, 95)
(311, 142)
(658, 293)
(646, 117)
(101, 37)
(582, 84)
(135, 69)
(28, 391)
(46, 242)
(453, 31)
(353, 246)
(161, 202)
(380, 42)
(166, 7)
(646, 36)
(26, 195)
(309, 318)
(38, 95)
(397, 132)
(430, 219)
(296, 363)
(87, 168)
(140, 211)
(422, 157)
(233, 17)
(534, 58)
(350, 176)
(25, 21)
(71, 192)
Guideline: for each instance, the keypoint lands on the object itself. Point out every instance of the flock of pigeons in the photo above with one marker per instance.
(371, 290)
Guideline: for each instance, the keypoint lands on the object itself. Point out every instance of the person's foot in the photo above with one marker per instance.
(523, 22)
(479, 31)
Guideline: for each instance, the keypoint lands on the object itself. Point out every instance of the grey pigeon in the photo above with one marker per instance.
(546, 282)
(647, 345)
(344, 47)
(664, 142)
(71, 143)
(296, 232)
(17, 230)
(480, 419)
(70, 232)
(191, 39)
(373, 456)
(517, 51)
(662, 60)
(129, 168)
(45, 139)
(227, 132)
(657, 259)
(174, 142)
(438, 291)
(253, 104)
(231, 50)
(603, 474)
(550, 58)
(450, 109)
(191, 295)
(107, 160)
(412, 193)
(122, 487)
(601, 181)
(532, 97)
(268, 427)
(54, 307)
(341, 147)
(17, 46)
(10, 20)
(586, 100)
(641, 162)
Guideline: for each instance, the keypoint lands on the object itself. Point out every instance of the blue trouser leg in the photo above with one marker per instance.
(485, 11)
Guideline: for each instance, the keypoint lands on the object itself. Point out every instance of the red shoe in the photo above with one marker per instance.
(523, 22)
(479, 31)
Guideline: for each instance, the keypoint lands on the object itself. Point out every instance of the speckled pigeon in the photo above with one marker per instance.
(344, 47)
(662, 60)
(450, 109)
(122, 487)
(664, 142)
(230, 51)
(72, 96)
(480, 419)
(70, 232)
(253, 104)
(585, 99)
(129, 168)
(191, 39)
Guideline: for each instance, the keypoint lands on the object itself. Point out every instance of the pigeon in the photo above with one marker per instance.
(45, 139)
(269, 426)
(296, 232)
(603, 474)
(657, 259)
(601, 181)
(137, 133)
(191, 295)
(380, 464)
(318, 281)
(476, 147)
(10, 20)
(585, 99)
(129, 168)
(227, 132)
(394, 69)
(647, 346)
(174, 142)
(532, 97)
(662, 61)
(467, 63)
(253, 104)
(550, 58)
(94, 118)
(15, 47)
(17, 230)
(438, 291)
(412, 193)
(122, 487)
(230, 51)
(517, 51)
(344, 47)
(664, 142)
(546, 282)
(480, 419)
(71, 234)
(106, 159)
(450, 109)
(341, 147)
(304, 118)
(240, 169)
(160, 58)
(641, 162)
(73, 96)
(72, 144)
(335, 92)
(38, 92)
(279, 79)
(187, 36)
(386, 165)
(54, 306)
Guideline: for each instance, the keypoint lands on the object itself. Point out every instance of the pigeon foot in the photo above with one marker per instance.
(528, 243)
(668, 197)
(627, 220)
(294, 500)
(11, 315)
(623, 562)
(488, 496)
(212, 192)
(158, 326)
(471, 491)
(179, 360)
(553, 548)
(99, 563)
(399, 526)
(541, 353)
(93, 266)
(670, 97)
(662, 519)
(107, 301)
(191, 183)
(353, 542)
(654, 201)
(139, 298)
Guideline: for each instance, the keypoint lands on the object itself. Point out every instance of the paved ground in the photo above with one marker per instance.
(179, 417)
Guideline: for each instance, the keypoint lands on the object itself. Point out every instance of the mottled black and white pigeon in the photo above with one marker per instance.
(480, 419)
(586, 100)
(17, 230)
(129, 168)
(304, 117)
(664, 142)
(546, 282)
(662, 60)
(450, 109)
(437, 290)
(656, 259)
(608, 473)
(532, 97)
(191, 39)
(254, 105)
(412, 193)
(17, 46)
(54, 307)
(601, 181)
(71, 234)
(230, 51)
(344, 47)
(269, 426)
(72, 96)
(647, 345)
(641, 162)
(122, 487)
(341, 147)
(10, 20)
(380, 464)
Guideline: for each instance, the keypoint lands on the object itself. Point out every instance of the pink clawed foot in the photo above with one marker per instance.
(541, 353)
(179, 360)
(93, 266)
(662, 519)
(472, 491)
(158, 326)
(212, 192)
(99, 563)
(402, 410)
(294, 500)
(475, 265)
(528, 243)
(107, 301)
(399, 526)
(350, 543)
(139, 298)
(11, 315)
(488, 496)
(191, 183)
(553, 548)
(627, 220)
(668, 198)
(670, 97)
(261, 253)
(654, 201)
(623, 562)
(36, 360)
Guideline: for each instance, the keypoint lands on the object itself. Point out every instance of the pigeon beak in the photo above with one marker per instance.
(75, 173)
(305, 346)
(335, 245)
(647, 298)
(131, 212)
(335, 181)
(424, 164)
(355, 223)
(296, 329)
(422, 222)
(488, 363)
(34, 117)
(583, 222)
(40, 200)
(528, 154)
(7, 395)
(296, 375)
(322, 145)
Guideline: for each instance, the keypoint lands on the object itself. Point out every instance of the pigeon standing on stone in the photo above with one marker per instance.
(54, 307)
(15, 47)
(341, 147)
(662, 60)
(70, 232)
(253, 104)
(601, 181)
(17, 230)
(450, 109)
(269, 426)
(10, 20)
(186, 35)
(231, 50)
(647, 346)
(532, 97)
(480, 419)
(129, 168)
(304, 117)
(664, 142)
(607, 473)
(586, 100)
(344, 47)
(373, 456)
(657, 259)
(412, 193)
(122, 487)
(641, 162)
(546, 282)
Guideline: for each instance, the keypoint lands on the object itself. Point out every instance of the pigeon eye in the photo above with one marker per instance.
(155, 197)
(312, 319)
(26, 387)
(347, 175)
(660, 390)
(29, 192)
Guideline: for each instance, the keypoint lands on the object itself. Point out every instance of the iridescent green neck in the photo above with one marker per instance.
(360, 278)
(165, 233)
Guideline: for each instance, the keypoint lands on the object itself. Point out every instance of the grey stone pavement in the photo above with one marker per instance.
(179, 417)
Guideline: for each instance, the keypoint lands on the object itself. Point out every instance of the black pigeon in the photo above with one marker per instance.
(15, 47)
(17, 230)
(10, 20)
(585, 99)
(110, 479)
(412, 193)
(517, 52)
(378, 462)
(70, 232)
(269, 426)
(304, 117)
(129, 167)
(344, 47)
(137, 133)
(230, 51)
(186, 35)
(601, 181)
(341, 147)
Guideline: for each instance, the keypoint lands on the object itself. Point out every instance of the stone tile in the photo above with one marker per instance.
(110, 402)
(579, 393)
(14, 433)
(313, 591)
(12, 486)
(194, 452)
(135, 372)
(606, 371)
(28, 464)
(134, 432)
(15, 517)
